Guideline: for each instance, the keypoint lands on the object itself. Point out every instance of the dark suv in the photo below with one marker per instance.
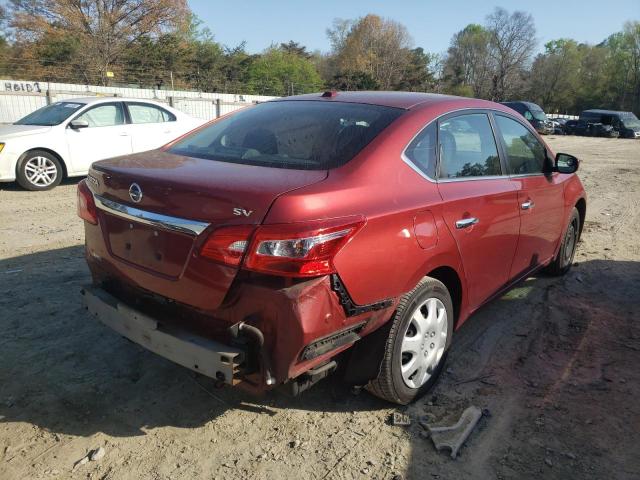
(534, 115)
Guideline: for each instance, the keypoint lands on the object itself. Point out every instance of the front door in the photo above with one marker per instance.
(480, 203)
(105, 137)
(540, 195)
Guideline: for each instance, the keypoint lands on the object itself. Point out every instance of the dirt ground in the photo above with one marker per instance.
(554, 363)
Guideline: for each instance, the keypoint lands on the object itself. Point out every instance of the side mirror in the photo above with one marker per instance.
(566, 163)
(78, 124)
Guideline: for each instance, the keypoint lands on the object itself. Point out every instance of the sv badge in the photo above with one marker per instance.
(242, 212)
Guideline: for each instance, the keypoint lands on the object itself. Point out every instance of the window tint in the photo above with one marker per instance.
(467, 147)
(307, 135)
(141, 113)
(525, 154)
(422, 151)
(103, 115)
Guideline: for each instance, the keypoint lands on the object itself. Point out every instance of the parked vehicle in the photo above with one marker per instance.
(558, 125)
(601, 130)
(65, 138)
(587, 129)
(626, 123)
(576, 127)
(534, 114)
(356, 228)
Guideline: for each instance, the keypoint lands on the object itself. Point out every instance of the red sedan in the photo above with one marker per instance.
(357, 229)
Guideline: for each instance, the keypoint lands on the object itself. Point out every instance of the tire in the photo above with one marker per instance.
(39, 170)
(430, 296)
(563, 261)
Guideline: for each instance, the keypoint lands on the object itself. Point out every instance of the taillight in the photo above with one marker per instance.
(86, 204)
(299, 249)
(227, 244)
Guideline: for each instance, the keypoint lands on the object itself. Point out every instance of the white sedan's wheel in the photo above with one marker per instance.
(39, 170)
(424, 342)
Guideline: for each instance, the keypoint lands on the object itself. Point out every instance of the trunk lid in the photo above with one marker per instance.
(175, 187)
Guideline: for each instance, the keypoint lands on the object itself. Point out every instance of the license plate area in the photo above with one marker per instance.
(146, 246)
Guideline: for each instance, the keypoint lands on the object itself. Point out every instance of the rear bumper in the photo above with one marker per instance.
(202, 355)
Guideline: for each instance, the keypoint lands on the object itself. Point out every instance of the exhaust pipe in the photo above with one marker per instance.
(258, 337)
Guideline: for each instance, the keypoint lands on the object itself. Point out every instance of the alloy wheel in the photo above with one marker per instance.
(40, 171)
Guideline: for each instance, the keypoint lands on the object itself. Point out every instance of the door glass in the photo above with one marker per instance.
(103, 115)
(422, 151)
(525, 154)
(148, 114)
(527, 115)
(467, 147)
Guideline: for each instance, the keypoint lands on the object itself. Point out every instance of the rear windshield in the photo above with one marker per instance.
(304, 135)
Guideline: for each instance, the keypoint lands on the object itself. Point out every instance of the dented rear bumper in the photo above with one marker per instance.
(202, 355)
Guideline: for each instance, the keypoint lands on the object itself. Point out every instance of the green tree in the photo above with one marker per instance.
(555, 75)
(295, 48)
(353, 81)
(419, 74)
(277, 72)
(468, 68)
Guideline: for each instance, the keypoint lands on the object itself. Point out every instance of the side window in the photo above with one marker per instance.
(467, 147)
(106, 115)
(422, 151)
(527, 115)
(141, 113)
(525, 154)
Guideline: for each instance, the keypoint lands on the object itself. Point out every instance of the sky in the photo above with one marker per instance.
(430, 23)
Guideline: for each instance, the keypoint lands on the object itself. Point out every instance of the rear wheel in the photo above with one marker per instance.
(416, 348)
(563, 261)
(39, 170)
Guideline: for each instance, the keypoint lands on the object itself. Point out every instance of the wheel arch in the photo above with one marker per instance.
(450, 278)
(581, 206)
(65, 172)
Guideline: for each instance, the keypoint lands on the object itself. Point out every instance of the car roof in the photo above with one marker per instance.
(522, 102)
(89, 100)
(405, 100)
(606, 112)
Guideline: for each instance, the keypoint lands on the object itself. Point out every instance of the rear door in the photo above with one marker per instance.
(540, 195)
(480, 202)
(105, 137)
(151, 126)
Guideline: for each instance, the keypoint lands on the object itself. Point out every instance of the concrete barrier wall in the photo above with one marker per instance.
(21, 97)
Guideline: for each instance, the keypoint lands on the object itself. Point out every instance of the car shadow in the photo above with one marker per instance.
(64, 372)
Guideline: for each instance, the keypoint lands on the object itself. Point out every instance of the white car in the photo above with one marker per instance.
(63, 139)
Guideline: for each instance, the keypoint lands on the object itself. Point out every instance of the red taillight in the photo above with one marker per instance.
(227, 244)
(86, 204)
(293, 250)
(299, 249)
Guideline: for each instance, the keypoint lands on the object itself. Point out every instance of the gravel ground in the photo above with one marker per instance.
(554, 363)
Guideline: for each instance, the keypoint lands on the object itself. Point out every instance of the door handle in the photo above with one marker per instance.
(528, 205)
(466, 222)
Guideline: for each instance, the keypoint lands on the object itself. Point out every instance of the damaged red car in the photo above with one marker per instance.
(338, 231)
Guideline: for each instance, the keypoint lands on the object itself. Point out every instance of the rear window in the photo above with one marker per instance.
(304, 135)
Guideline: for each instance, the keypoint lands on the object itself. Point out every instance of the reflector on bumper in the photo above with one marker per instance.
(199, 354)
